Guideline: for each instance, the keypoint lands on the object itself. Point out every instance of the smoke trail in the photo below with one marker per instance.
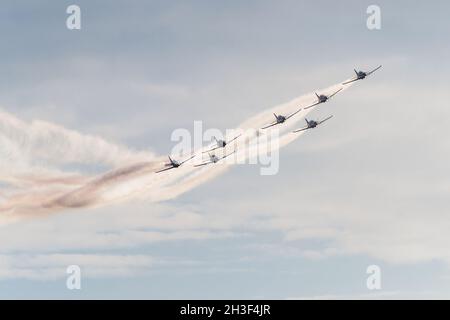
(25, 147)
(34, 150)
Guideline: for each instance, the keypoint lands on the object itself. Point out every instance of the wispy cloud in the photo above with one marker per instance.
(45, 267)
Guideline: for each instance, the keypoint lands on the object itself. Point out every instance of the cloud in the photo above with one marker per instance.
(50, 244)
(45, 267)
(110, 228)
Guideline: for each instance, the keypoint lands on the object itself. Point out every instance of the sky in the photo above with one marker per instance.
(369, 187)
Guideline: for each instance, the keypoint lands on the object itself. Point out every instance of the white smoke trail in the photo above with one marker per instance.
(29, 154)
(37, 145)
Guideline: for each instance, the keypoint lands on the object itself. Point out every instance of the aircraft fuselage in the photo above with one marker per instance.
(312, 124)
(281, 119)
(175, 164)
(361, 75)
(323, 98)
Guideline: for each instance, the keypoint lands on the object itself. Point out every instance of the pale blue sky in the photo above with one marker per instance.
(370, 187)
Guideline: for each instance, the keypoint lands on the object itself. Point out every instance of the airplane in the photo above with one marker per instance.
(280, 119)
(173, 164)
(221, 143)
(322, 98)
(213, 159)
(312, 124)
(361, 75)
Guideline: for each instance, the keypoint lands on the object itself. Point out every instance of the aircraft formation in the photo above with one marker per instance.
(279, 119)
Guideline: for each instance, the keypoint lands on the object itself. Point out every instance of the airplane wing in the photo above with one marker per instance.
(325, 119)
(270, 125)
(302, 129)
(164, 169)
(227, 155)
(334, 93)
(202, 164)
(350, 81)
(216, 147)
(187, 160)
(315, 104)
(234, 138)
(374, 70)
(293, 113)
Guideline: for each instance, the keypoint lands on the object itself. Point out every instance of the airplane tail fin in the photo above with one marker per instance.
(275, 116)
(316, 94)
(356, 71)
(170, 159)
